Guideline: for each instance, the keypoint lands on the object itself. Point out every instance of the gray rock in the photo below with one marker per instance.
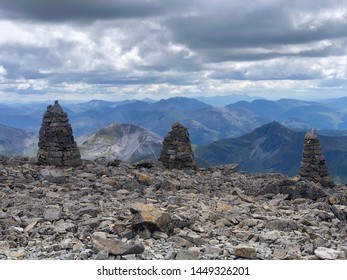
(187, 255)
(340, 211)
(65, 227)
(245, 251)
(159, 235)
(214, 252)
(215, 211)
(117, 247)
(327, 253)
(53, 175)
(282, 224)
(52, 214)
(102, 255)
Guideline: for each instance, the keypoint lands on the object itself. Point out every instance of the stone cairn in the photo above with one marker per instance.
(313, 165)
(56, 142)
(177, 151)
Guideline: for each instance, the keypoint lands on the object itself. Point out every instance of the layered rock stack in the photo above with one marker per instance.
(177, 151)
(56, 142)
(313, 165)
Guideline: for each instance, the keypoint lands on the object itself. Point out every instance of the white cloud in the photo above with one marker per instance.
(3, 73)
(196, 47)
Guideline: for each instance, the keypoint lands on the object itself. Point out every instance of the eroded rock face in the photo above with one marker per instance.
(56, 142)
(177, 151)
(313, 164)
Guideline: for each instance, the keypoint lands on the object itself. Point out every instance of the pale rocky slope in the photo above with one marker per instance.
(124, 142)
(106, 210)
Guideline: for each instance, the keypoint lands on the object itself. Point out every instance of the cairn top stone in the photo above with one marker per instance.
(177, 151)
(313, 164)
(310, 135)
(56, 108)
(56, 142)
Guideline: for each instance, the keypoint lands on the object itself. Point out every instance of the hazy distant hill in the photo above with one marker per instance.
(124, 142)
(226, 99)
(273, 148)
(15, 141)
(206, 123)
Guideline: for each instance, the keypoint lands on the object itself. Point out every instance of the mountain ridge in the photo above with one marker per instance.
(125, 142)
(273, 148)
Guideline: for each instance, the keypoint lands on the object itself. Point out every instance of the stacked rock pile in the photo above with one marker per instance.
(313, 165)
(56, 142)
(177, 151)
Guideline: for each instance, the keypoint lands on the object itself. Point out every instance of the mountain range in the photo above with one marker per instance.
(206, 123)
(243, 132)
(15, 141)
(273, 148)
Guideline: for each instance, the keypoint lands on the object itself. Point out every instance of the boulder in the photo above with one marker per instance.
(146, 216)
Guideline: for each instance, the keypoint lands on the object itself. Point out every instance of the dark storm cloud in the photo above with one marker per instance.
(68, 44)
(227, 32)
(61, 10)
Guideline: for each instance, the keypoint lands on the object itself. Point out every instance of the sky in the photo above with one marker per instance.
(132, 49)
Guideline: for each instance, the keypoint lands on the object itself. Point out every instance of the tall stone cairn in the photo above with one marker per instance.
(313, 165)
(177, 151)
(56, 142)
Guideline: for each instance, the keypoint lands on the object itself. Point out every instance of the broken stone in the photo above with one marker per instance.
(245, 251)
(340, 211)
(31, 225)
(117, 247)
(282, 224)
(150, 217)
(52, 214)
(159, 235)
(187, 255)
(327, 253)
(53, 175)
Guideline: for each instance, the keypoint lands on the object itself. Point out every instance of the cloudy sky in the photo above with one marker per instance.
(118, 49)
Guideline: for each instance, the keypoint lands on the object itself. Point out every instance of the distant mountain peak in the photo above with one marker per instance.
(121, 141)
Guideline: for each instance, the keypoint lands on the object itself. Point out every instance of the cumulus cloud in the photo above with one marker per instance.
(156, 47)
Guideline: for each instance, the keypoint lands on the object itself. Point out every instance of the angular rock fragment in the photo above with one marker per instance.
(187, 255)
(245, 251)
(328, 253)
(52, 214)
(294, 189)
(53, 176)
(340, 211)
(282, 225)
(117, 247)
(146, 216)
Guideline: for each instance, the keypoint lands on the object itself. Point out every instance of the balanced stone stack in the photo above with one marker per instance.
(56, 142)
(177, 151)
(313, 165)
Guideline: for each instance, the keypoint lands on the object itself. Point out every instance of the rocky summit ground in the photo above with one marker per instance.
(113, 210)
